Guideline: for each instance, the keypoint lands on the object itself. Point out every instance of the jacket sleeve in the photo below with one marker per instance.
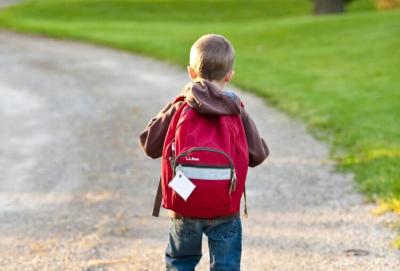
(258, 150)
(152, 138)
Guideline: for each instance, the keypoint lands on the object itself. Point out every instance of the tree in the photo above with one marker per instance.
(329, 6)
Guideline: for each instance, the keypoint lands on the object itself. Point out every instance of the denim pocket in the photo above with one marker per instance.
(184, 228)
(226, 229)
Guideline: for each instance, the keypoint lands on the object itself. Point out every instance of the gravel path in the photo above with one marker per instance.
(5, 3)
(76, 192)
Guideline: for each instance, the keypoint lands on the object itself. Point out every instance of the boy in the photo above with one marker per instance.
(210, 69)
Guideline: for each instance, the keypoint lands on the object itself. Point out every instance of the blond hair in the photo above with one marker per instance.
(212, 56)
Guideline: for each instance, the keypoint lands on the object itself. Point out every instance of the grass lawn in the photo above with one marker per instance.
(340, 74)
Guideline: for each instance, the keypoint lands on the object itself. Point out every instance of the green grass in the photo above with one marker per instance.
(340, 74)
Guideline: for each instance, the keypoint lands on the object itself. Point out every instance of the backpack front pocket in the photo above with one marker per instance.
(211, 171)
(208, 195)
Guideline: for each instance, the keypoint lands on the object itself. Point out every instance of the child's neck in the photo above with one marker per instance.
(220, 83)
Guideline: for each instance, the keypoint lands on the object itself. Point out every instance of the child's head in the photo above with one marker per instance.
(211, 58)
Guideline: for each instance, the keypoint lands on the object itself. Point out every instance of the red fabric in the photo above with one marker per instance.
(189, 129)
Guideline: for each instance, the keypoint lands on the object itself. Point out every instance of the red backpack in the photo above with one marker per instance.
(211, 151)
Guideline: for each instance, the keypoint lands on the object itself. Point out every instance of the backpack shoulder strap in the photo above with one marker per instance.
(157, 201)
(158, 198)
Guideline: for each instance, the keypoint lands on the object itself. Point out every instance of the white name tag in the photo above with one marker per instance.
(182, 185)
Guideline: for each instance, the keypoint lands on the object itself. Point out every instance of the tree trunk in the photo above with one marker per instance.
(328, 6)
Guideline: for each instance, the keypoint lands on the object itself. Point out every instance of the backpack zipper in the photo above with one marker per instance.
(232, 186)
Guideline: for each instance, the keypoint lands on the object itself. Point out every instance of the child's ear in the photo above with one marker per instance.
(192, 73)
(228, 77)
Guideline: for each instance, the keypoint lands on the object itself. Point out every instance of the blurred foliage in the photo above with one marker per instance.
(397, 243)
(387, 4)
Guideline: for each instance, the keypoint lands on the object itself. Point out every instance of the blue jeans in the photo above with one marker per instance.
(224, 242)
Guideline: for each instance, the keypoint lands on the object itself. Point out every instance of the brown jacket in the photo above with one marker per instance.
(206, 98)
